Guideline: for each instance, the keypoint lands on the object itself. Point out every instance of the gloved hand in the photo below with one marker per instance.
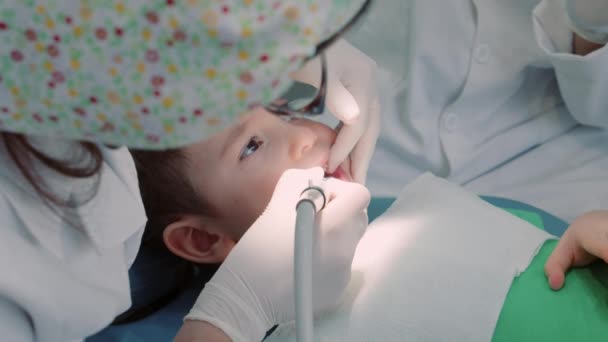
(352, 96)
(254, 288)
(589, 19)
(585, 240)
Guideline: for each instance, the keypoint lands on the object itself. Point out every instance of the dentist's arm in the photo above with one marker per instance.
(253, 289)
(573, 34)
(200, 331)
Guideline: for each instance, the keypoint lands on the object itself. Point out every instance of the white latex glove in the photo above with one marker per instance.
(253, 290)
(352, 96)
(589, 19)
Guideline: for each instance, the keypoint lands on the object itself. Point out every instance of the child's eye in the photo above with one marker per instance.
(253, 145)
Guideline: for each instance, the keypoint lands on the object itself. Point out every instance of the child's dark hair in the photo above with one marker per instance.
(167, 194)
(166, 191)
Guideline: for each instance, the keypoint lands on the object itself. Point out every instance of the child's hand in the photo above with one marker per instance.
(585, 240)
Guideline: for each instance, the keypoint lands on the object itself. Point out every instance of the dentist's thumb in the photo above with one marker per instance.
(345, 200)
(344, 219)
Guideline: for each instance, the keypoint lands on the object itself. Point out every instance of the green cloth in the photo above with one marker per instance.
(534, 312)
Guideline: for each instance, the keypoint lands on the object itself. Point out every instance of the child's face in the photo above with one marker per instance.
(238, 169)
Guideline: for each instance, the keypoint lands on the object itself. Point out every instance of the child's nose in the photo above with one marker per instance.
(301, 141)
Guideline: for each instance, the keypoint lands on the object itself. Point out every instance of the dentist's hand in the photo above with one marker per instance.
(589, 19)
(352, 96)
(585, 241)
(253, 289)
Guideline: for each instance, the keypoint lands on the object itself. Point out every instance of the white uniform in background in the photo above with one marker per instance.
(59, 282)
(493, 99)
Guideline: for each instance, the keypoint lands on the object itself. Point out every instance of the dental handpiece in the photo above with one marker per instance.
(312, 200)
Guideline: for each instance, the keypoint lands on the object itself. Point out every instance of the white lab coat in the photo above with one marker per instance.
(493, 99)
(59, 282)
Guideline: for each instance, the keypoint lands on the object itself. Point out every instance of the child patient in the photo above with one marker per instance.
(201, 199)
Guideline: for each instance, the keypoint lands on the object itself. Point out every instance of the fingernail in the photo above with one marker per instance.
(554, 282)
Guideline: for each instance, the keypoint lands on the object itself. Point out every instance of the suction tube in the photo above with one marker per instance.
(312, 200)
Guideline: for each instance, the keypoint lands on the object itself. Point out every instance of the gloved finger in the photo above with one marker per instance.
(362, 154)
(278, 219)
(299, 178)
(359, 84)
(339, 99)
(347, 139)
(291, 184)
(342, 102)
(345, 201)
(363, 93)
(309, 73)
(559, 262)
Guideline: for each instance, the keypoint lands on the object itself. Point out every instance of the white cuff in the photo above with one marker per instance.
(552, 27)
(592, 23)
(220, 308)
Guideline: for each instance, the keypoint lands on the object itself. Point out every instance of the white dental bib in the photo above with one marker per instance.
(437, 266)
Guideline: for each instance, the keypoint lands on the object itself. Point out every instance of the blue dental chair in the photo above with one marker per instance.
(163, 320)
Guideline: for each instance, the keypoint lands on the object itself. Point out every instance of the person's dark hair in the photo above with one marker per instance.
(86, 162)
(166, 191)
(167, 194)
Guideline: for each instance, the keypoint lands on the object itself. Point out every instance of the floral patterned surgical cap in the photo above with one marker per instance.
(151, 74)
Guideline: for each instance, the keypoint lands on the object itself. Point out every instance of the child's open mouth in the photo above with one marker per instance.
(340, 174)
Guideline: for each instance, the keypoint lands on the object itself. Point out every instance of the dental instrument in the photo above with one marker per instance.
(312, 200)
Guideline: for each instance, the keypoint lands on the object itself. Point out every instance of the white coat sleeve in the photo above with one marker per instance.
(15, 324)
(583, 80)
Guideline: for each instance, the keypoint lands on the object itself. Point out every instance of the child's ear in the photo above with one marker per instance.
(193, 239)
